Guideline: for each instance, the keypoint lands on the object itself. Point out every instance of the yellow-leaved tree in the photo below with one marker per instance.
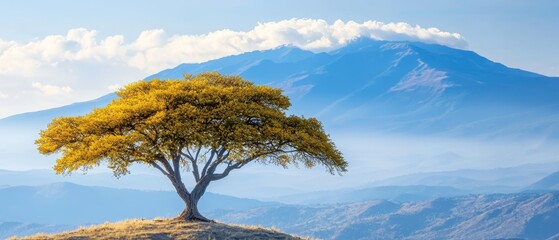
(208, 125)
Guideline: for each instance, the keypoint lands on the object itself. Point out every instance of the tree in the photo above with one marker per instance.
(208, 125)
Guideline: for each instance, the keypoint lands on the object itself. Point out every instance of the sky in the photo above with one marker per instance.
(54, 53)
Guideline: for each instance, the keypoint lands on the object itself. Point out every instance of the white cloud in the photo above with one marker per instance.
(86, 64)
(153, 50)
(114, 87)
(51, 89)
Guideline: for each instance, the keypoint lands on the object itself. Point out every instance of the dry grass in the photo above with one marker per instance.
(166, 229)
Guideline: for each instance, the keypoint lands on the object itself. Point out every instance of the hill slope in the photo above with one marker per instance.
(167, 229)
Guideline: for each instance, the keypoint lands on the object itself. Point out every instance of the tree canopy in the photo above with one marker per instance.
(208, 124)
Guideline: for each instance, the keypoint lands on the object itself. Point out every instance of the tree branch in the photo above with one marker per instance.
(155, 165)
(217, 157)
(228, 169)
(194, 162)
(209, 161)
(188, 154)
(176, 167)
(179, 185)
(195, 169)
(174, 176)
(167, 166)
(197, 154)
(222, 155)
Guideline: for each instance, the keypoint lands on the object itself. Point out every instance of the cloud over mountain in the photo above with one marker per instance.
(87, 65)
(154, 50)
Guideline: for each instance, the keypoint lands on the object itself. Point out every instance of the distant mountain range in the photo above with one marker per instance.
(494, 216)
(503, 180)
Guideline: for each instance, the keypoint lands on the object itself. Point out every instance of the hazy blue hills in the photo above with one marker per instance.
(431, 185)
(416, 186)
(495, 216)
(503, 180)
(140, 181)
(57, 207)
(71, 204)
(548, 183)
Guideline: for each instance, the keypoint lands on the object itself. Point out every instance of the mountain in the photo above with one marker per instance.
(548, 183)
(71, 204)
(382, 85)
(494, 216)
(370, 91)
(403, 87)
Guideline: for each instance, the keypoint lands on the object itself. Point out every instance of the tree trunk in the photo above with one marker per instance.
(191, 213)
(190, 199)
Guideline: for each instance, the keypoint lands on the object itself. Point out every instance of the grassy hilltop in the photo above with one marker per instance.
(166, 229)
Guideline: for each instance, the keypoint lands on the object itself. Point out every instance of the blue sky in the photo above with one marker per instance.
(520, 34)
